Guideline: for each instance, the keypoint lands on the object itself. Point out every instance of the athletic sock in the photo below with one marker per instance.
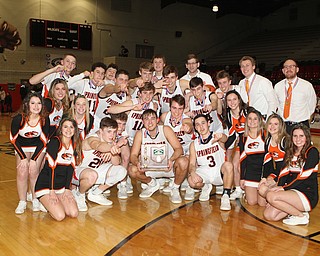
(227, 191)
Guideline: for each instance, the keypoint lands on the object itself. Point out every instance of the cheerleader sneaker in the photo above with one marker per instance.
(296, 220)
(219, 190)
(29, 197)
(21, 207)
(35, 205)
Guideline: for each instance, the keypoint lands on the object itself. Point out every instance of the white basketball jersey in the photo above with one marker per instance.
(89, 90)
(160, 139)
(93, 159)
(197, 107)
(166, 96)
(184, 138)
(134, 122)
(209, 155)
(105, 103)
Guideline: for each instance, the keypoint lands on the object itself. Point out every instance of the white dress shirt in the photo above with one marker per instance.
(261, 94)
(303, 100)
(204, 76)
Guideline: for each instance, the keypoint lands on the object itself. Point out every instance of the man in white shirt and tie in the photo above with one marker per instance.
(257, 91)
(296, 96)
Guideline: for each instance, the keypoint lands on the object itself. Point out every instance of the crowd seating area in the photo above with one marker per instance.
(270, 49)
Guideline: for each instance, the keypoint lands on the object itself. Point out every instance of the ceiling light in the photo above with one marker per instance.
(215, 8)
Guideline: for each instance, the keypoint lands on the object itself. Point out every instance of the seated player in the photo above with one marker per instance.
(182, 126)
(207, 163)
(157, 135)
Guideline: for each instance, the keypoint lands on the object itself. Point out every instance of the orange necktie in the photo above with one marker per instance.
(247, 88)
(287, 103)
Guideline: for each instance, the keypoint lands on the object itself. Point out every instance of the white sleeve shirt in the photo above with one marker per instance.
(303, 100)
(261, 94)
(206, 78)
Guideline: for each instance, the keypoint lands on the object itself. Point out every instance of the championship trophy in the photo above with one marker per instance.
(154, 157)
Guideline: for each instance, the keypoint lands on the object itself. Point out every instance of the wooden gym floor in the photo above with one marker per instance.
(152, 226)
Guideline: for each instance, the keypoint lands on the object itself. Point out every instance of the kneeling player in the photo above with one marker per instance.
(153, 136)
(208, 154)
(100, 164)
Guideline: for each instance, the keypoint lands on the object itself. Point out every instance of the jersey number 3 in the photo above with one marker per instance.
(212, 162)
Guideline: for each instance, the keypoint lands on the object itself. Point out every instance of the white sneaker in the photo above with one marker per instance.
(42, 208)
(296, 220)
(225, 203)
(184, 185)
(175, 196)
(129, 186)
(189, 196)
(122, 191)
(21, 207)
(107, 192)
(29, 197)
(236, 194)
(162, 182)
(148, 192)
(35, 205)
(205, 193)
(99, 199)
(168, 188)
(219, 190)
(81, 202)
(144, 186)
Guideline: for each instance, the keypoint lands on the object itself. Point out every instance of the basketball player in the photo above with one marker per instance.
(100, 164)
(136, 106)
(208, 154)
(91, 87)
(171, 87)
(154, 134)
(203, 102)
(145, 72)
(106, 99)
(62, 70)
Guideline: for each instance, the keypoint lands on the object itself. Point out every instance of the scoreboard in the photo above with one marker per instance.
(63, 35)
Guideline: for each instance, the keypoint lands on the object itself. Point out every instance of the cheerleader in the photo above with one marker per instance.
(57, 103)
(297, 190)
(276, 140)
(54, 181)
(79, 111)
(234, 117)
(29, 133)
(252, 152)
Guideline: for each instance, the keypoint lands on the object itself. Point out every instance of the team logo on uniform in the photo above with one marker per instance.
(275, 154)
(31, 134)
(56, 118)
(253, 145)
(66, 156)
(238, 126)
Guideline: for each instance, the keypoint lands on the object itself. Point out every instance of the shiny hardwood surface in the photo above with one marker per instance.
(152, 226)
